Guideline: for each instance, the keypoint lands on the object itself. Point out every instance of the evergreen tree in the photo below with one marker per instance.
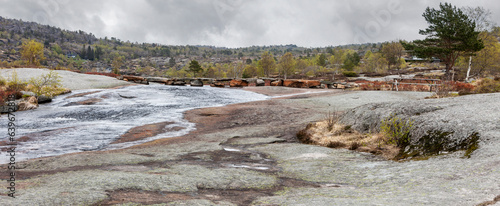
(450, 34)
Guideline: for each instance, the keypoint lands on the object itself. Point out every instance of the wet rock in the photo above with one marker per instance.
(196, 83)
(238, 83)
(145, 131)
(91, 101)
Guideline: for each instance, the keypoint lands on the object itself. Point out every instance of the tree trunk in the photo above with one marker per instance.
(468, 70)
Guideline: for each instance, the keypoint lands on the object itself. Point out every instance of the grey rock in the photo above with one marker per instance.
(260, 82)
(28, 93)
(439, 125)
(196, 83)
(42, 99)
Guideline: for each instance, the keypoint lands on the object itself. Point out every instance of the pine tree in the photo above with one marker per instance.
(450, 34)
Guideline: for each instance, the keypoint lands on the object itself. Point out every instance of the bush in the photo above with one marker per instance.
(487, 86)
(48, 84)
(350, 74)
(15, 83)
(397, 130)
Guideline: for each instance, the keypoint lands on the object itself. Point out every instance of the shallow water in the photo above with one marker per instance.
(62, 127)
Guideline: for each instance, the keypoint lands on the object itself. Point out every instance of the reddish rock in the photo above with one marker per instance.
(238, 83)
(218, 84)
(145, 131)
(292, 83)
(267, 82)
(311, 83)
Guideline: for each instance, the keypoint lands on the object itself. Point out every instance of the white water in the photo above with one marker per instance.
(60, 127)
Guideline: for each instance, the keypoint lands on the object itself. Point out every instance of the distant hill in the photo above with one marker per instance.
(79, 50)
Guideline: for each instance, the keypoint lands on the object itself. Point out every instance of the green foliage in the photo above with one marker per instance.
(321, 60)
(350, 73)
(267, 63)
(32, 52)
(450, 34)
(15, 84)
(3, 82)
(352, 60)
(47, 84)
(397, 130)
(194, 67)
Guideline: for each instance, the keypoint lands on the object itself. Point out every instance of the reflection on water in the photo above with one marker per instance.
(93, 121)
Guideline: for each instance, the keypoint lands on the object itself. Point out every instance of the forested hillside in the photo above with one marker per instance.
(79, 50)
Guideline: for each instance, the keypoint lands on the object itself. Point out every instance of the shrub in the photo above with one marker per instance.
(332, 118)
(3, 82)
(397, 130)
(487, 86)
(350, 74)
(48, 84)
(15, 83)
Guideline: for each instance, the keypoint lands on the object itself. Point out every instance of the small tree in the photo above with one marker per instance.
(450, 34)
(194, 67)
(393, 52)
(287, 64)
(32, 52)
(267, 63)
(48, 84)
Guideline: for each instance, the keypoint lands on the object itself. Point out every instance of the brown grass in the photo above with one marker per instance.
(343, 136)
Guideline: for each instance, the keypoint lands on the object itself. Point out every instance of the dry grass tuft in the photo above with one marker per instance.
(343, 136)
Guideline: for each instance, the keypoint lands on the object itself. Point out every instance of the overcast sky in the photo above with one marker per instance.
(238, 23)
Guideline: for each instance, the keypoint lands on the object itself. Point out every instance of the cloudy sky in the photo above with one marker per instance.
(238, 23)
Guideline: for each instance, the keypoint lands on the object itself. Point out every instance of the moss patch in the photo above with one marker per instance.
(437, 142)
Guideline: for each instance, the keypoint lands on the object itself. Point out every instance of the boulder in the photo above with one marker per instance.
(133, 78)
(292, 83)
(311, 83)
(260, 82)
(29, 104)
(238, 83)
(267, 82)
(340, 86)
(218, 84)
(196, 83)
(178, 83)
(277, 83)
(42, 99)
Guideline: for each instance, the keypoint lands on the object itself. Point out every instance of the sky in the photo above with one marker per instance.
(238, 23)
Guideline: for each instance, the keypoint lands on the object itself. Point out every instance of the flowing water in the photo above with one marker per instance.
(63, 126)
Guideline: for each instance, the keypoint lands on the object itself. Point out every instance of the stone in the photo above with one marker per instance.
(196, 83)
(340, 86)
(260, 82)
(179, 83)
(311, 83)
(292, 83)
(238, 83)
(29, 104)
(42, 99)
(218, 84)
(277, 83)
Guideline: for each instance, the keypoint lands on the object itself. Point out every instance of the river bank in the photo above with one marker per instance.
(247, 154)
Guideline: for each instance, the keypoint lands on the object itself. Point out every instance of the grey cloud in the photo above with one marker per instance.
(236, 23)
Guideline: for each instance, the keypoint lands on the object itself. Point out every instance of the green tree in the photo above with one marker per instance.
(194, 67)
(267, 63)
(32, 52)
(393, 52)
(322, 60)
(47, 84)
(117, 64)
(286, 64)
(450, 34)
